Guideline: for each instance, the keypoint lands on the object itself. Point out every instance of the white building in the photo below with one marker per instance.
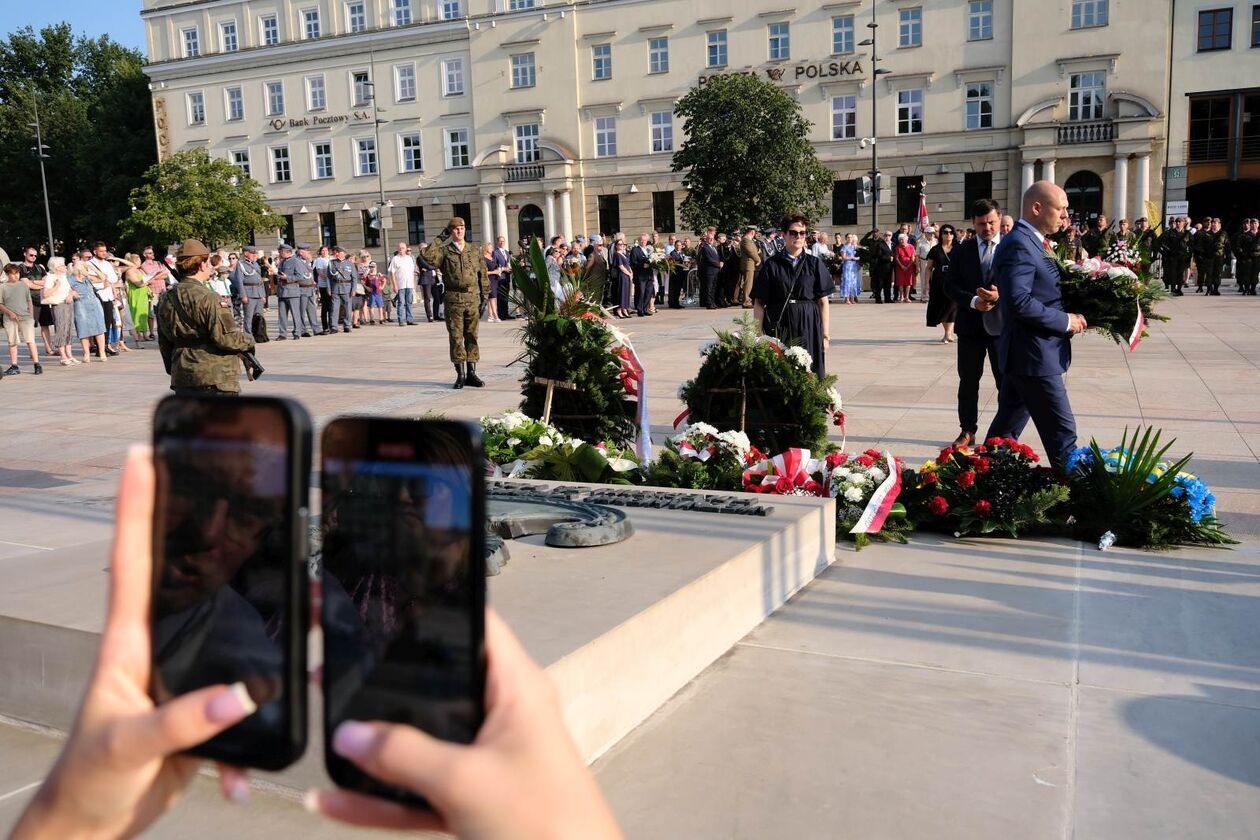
(557, 117)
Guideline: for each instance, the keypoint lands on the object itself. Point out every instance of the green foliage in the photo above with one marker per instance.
(577, 460)
(97, 122)
(786, 406)
(724, 471)
(192, 195)
(747, 155)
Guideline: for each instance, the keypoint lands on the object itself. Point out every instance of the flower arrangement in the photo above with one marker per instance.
(793, 473)
(518, 446)
(1130, 495)
(508, 436)
(853, 483)
(996, 486)
(1114, 299)
(702, 458)
(659, 260)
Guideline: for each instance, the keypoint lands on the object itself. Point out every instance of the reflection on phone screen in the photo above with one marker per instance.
(222, 557)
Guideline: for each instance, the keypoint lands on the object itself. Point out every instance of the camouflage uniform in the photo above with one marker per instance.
(467, 289)
(199, 340)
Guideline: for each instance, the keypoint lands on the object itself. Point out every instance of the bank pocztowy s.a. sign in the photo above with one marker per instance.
(798, 72)
(318, 121)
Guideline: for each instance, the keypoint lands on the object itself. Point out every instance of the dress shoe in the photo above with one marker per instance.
(965, 439)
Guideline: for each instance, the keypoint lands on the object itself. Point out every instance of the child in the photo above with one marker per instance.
(19, 320)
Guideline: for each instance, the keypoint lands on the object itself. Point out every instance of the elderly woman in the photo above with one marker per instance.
(55, 296)
(89, 317)
(851, 270)
(905, 267)
(791, 292)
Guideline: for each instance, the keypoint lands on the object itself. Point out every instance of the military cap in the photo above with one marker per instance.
(303, 246)
(250, 249)
(193, 248)
(339, 248)
(285, 246)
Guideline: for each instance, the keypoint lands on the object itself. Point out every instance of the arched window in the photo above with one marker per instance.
(530, 222)
(1085, 195)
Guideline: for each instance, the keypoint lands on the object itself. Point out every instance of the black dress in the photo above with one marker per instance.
(941, 308)
(790, 295)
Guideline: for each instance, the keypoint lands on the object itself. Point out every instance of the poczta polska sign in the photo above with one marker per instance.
(798, 72)
(317, 121)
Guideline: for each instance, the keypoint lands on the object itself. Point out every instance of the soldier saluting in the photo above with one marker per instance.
(467, 288)
(197, 336)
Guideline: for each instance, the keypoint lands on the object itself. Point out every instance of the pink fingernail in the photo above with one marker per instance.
(310, 801)
(231, 705)
(238, 790)
(352, 739)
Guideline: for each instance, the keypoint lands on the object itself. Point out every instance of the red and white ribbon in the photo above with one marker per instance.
(872, 519)
(1136, 336)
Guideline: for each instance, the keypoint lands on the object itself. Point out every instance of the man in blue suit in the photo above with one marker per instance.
(1034, 349)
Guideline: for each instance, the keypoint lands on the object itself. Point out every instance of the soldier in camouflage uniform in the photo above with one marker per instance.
(1218, 256)
(197, 335)
(467, 288)
(1243, 245)
(1173, 247)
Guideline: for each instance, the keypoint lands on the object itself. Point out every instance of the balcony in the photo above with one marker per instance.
(1094, 131)
(525, 172)
(1222, 149)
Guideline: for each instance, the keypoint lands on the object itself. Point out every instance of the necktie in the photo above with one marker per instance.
(986, 260)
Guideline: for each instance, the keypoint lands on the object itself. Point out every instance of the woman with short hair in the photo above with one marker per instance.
(791, 295)
(56, 296)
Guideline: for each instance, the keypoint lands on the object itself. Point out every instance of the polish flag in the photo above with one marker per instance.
(924, 221)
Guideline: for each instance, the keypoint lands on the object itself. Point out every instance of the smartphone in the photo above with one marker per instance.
(403, 584)
(231, 581)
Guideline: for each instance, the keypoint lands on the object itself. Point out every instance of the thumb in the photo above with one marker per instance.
(402, 755)
(184, 722)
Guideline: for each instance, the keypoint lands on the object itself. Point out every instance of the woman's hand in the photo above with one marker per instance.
(120, 769)
(521, 778)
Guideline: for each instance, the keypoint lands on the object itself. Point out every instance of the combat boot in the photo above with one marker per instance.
(473, 380)
(459, 375)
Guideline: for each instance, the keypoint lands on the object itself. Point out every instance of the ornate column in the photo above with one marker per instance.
(1142, 185)
(549, 214)
(1047, 170)
(487, 231)
(1120, 190)
(566, 214)
(500, 217)
(1026, 179)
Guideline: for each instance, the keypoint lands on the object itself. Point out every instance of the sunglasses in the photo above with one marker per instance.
(795, 233)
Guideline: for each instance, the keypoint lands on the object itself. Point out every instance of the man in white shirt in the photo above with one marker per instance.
(924, 246)
(402, 273)
(104, 277)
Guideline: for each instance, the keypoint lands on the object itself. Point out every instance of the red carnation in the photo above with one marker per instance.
(784, 485)
(966, 479)
(983, 509)
(874, 453)
(930, 478)
(981, 449)
(836, 459)
(946, 454)
(864, 461)
(938, 506)
(994, 441)
(981, 465)
(1011, 442)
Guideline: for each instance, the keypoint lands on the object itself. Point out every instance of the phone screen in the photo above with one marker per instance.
(403, 581)
(229, 600)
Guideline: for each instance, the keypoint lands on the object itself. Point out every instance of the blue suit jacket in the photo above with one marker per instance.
(1034, 340)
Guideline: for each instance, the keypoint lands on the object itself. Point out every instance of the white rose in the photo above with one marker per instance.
(546, 440)
(877, 475)
(853, 494)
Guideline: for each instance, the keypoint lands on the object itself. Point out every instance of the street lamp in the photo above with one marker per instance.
(41, 153)
(377, 122)
(875, 74)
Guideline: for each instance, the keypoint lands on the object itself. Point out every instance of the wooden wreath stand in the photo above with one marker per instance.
(764, 434)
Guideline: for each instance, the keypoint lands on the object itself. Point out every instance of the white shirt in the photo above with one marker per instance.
(818, 249)
(104, 290)
(992, 252)
(56, 289)
(402, 267)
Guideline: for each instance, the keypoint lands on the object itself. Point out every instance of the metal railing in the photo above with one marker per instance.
(525, 172)
(1094, 131)
(1222, 149)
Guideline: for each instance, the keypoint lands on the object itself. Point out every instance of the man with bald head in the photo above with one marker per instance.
(1007, 225)
(1034, 348)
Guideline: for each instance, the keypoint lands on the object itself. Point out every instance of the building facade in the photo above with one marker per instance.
(1214, 111)
(557, 117)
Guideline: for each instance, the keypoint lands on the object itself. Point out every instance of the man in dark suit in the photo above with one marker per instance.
(881, 267)
(1034, 348)
(970, 285)
(641, 266)
(709, 264)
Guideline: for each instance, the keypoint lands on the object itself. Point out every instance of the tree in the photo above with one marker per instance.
(191, 195)
(97, 122)
(747, 155)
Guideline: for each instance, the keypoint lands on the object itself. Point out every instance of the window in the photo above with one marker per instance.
(601, 62)
(328, 229)
(523, 73)
(321, 160)
(663, 132)
(274, 94)
(844, 203)
(1209, 129)
(360, 88)
(1089, 13)
(240, 159)
(452, 9)
(1085, 100)
(658, 55)
(909, 189)
(663, 211)
(415, 225)
(316, 93)
(605, 137)
(976, 185)
(464, 211)
(1215, 27)
(910, 111)
(404, 82)
(453, 77)
(409, 157)
(281, 170)
(371, 229)
(609, 213)
(844, 117)
(192, 42)
(980, 20)
(716, 44)
(227, 36)
(310, 24)
(197, 108)
(842, 34)
(458, 149)
(356, 16)
(269, 29)
(526, 141)
(910, 27)
(979, 105)
(517, 5)
(234, 99)
(1255, 26)
(401, 12)
(780, 42)
(365, 156)
(287, 233)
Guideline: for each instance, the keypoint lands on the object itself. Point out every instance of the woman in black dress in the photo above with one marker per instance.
(941, 308)
(790, 295)
(622, 274)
